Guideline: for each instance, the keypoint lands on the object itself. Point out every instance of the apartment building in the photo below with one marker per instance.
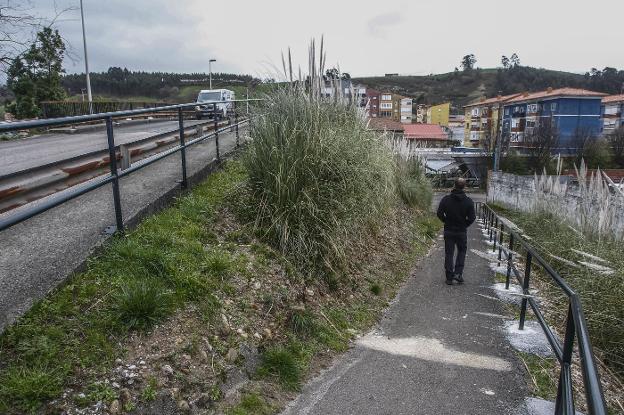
(567, 109)
(372, 97)
(439, 114)
(612, 113)
(406, 106)
(421, 113)
(386, 105)
(482, 120)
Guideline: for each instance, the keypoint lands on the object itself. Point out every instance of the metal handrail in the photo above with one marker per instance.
(114, 174)
(576, 325)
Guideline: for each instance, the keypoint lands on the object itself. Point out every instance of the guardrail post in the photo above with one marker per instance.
(236, 124)
(184, 182)
(564, 403)
(113, 171)
(495, 235)
(500, 242)
(124, 150)
(509, 260)
(216, 132)
(525, 290)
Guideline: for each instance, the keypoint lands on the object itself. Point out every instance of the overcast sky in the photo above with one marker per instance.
(367, 37)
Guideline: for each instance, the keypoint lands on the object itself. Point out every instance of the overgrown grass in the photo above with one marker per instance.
(318, 178)
(412, 185)
(138, 279)
(251, 404)
(602, 295)
(285, 364)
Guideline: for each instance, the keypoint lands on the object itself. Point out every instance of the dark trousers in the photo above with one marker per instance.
(452, 240)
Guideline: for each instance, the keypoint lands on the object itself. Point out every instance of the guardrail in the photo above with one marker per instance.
(575, 324)
(53, 109)
(114, 155)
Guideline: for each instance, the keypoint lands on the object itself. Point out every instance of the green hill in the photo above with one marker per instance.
(462, 87)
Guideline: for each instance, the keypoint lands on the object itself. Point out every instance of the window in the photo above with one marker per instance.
(386, 97)
(475, 112)
(507, 111)
(532, 108)
(611, 110)
(385, 105)
(408, 109)
(553, 107)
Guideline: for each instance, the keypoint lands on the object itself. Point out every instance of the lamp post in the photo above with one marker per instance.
(84, 42)
(210, 70)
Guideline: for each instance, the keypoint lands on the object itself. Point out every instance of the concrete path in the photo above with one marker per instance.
(18, 155)
(38, 254)
(438, 350)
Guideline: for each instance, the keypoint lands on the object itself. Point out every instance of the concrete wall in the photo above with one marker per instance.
(561, 198)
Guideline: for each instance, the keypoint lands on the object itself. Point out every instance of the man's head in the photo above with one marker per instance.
(460, 183)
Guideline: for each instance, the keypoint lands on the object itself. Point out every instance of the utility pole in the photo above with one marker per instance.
(210, 70)
(84, 42)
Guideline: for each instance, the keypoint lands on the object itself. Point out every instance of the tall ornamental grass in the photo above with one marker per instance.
(317, 176)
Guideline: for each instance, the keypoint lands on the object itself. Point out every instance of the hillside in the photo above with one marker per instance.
(462, 87)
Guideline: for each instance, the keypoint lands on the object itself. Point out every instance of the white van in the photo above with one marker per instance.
(214, 103)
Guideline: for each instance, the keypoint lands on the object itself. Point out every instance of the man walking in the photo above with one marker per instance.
(457, 212)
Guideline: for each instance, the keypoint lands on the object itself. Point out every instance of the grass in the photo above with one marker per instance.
(285, 364)
(251, 404)
(541, 371)
(412, 185)
(138, 280)
(318, 178)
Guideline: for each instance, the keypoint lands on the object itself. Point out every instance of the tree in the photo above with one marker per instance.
(539, 144)
(616, 142)
(588, 147)
(505, 62)
(468, 62)
(35, 75)
(515, 60)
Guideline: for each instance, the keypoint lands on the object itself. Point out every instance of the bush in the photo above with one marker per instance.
(412, 185)
(317, 176)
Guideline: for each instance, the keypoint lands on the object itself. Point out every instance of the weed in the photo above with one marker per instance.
(141, 304)
(251, 404)
(149, 392)
(283, 364)
(218, 263)
(411, 184)
(302, 322)
(541, 371)
(25, 388)
(375, 289)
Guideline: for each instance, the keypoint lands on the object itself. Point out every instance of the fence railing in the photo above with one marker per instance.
(509, 245)
(55, 109)
(114, 154)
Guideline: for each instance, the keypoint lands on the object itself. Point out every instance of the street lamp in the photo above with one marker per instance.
(210, 70)
(84, 41)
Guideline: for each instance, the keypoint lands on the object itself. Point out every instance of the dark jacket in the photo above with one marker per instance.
(456, 211)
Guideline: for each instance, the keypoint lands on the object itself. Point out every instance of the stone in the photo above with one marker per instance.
(115, 385)
(203, 355)
(118, 361)
(186, 357)
(309, 292)
(268, 333)
(257, 336)
(124, 395)
(167, 370)
(115, 407)
(184, 406)
(231, 355)
(257, 285)
(242, 333)
(132, 367)
(252, 358)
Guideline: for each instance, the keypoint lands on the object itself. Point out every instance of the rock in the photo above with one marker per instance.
(184, 406)
(203, 355)
(252, 358)
(186, 357)
(167, 370)
(242, 333)
(257, 336)
(81, 395)
(309, 292)
(124, 395)
(142, 363)
(130, 381)
(268, 333)
(231, 355)
(204, 400)
(257, 285)
(118, 361)
(115, 407)
(175, 393)
(132, 367)
(115, 385)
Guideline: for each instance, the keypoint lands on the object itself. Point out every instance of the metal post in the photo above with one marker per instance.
(495, 232)
(525, 290)
(84, 42)
(216, 131)
(184, 182)
(500, 242)
(236, 125)
(564, 403)
(113, 171)
(509, 260)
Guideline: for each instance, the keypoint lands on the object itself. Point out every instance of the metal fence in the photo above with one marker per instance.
(575, 324)
(55, 109)
(114, 153)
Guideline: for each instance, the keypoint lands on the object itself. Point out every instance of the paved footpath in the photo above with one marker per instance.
(438, 350)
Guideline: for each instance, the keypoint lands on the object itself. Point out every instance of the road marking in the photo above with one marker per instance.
(433, 350)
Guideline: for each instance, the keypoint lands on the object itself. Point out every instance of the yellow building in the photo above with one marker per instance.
(439, 114)
(482, 120)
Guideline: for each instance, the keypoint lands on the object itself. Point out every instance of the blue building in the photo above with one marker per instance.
(568, 110)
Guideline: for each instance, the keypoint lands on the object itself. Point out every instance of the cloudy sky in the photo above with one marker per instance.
(365, 37)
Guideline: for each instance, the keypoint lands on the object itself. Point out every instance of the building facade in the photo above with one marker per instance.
(568, 110)
(439, 114)
(386, 105)
(612, 113)
(372, 102)
(421, 113)
(482, 121)
(406, 110)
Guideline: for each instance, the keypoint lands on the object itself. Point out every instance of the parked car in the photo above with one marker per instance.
(214, 103)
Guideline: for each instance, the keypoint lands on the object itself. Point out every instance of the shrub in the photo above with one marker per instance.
(283, 364)
(317, 176)
(411, 183)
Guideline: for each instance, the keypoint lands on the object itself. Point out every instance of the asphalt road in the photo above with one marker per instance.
(18, 155)
(38, 254)
(438, 350)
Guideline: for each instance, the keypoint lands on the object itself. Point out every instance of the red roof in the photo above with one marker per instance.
(494, 100)
(613, 98)
(617, 175)
(384, 124)
(560, 92)
(424, 132)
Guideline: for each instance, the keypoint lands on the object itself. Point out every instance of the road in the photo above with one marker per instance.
(41, 252)
(18, 155)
